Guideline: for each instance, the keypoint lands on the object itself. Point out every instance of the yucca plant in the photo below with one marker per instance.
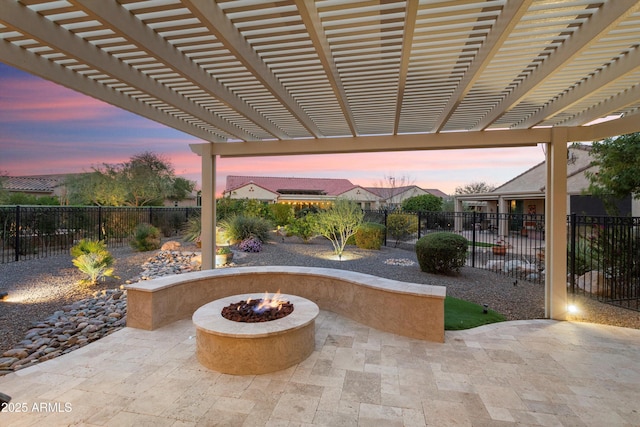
(93, 259)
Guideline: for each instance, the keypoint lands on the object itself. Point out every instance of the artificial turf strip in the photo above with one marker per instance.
(460, 314)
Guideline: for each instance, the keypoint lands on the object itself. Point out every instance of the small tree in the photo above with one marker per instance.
(402, 226)
(618, 162)
(339, 222)
(475, 188)
(422, 203)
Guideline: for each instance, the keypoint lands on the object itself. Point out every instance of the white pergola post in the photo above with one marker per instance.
(503, 221)
(208, 209)
(457, 221)
(556, 226)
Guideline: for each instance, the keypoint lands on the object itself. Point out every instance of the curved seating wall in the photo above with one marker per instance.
(407, 309)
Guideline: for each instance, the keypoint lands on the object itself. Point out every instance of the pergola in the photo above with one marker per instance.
(259, 78)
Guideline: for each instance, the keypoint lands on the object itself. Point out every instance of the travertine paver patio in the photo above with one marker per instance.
(515, 373)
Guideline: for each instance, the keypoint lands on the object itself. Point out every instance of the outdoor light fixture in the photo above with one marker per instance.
(485, 308)
(572, 309)
(3, 295)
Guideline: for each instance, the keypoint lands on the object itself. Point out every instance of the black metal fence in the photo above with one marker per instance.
(511, 244)
(604, 258)
(603, 253)
(28, 232)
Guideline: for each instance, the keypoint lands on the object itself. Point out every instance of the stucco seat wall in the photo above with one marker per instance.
(402, 308)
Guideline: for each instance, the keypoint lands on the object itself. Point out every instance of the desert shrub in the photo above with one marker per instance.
(251, 244)
(303, 227)
(240, 227)
(92, 258)
(339, 223)
(281, 214)
(401, 226)
(170, 223)
(146, 237)
(370, 235)
(192, 229)
(441, 253)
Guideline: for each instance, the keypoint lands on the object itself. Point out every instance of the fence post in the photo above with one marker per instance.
(419, 224)
(385, 227)
(99, 223)
(150, 215)
(572, 260)
(17, 238)
(473, 239)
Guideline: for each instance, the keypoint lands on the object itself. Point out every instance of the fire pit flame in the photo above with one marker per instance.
(267, 303)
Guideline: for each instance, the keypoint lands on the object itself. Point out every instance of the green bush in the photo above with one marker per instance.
(370, 235)
(240, 227)
(422, 203)
(401, 226)
(303, 227)
(441, 253)
(93, 259)
(281, 214)
(146, 237)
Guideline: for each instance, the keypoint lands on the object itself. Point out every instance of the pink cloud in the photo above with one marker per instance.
(34, 100)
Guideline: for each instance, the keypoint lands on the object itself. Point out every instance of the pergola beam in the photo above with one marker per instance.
(313, 24)
(367, 144)
(213, 17)
(606, 107)
(511, 14)
(627, 124)
(411, 15)
(607, 17)
(116, 17)
(35, 64)
(625, 65)
(39, 28)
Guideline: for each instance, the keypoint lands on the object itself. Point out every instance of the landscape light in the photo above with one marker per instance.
(3, 295)
(485, 308)
(572, 309)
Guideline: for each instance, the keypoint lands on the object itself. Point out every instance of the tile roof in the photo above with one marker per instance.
(329, 186)
(40, 184)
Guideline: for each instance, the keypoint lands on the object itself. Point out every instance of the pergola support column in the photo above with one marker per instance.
(556, 226)
(208, 209)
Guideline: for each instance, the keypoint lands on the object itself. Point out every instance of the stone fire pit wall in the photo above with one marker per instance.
(408, 309)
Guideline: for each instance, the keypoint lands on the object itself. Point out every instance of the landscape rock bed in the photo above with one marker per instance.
(81, 322)
(68, 329)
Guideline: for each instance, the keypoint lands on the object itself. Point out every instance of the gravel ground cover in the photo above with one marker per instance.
(37, 288)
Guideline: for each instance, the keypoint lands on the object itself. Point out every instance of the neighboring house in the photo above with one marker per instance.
(306, 192)
(392, 198)
(525, 194)
(36, 185)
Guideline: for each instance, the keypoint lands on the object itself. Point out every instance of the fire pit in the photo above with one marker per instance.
(264, 309)
(249, 348)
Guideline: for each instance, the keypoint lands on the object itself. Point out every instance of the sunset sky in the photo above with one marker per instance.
(48, 129)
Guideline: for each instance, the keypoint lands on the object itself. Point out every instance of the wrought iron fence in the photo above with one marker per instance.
(603, 253)
(511, 244)
(28, 232)
(604, 258)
